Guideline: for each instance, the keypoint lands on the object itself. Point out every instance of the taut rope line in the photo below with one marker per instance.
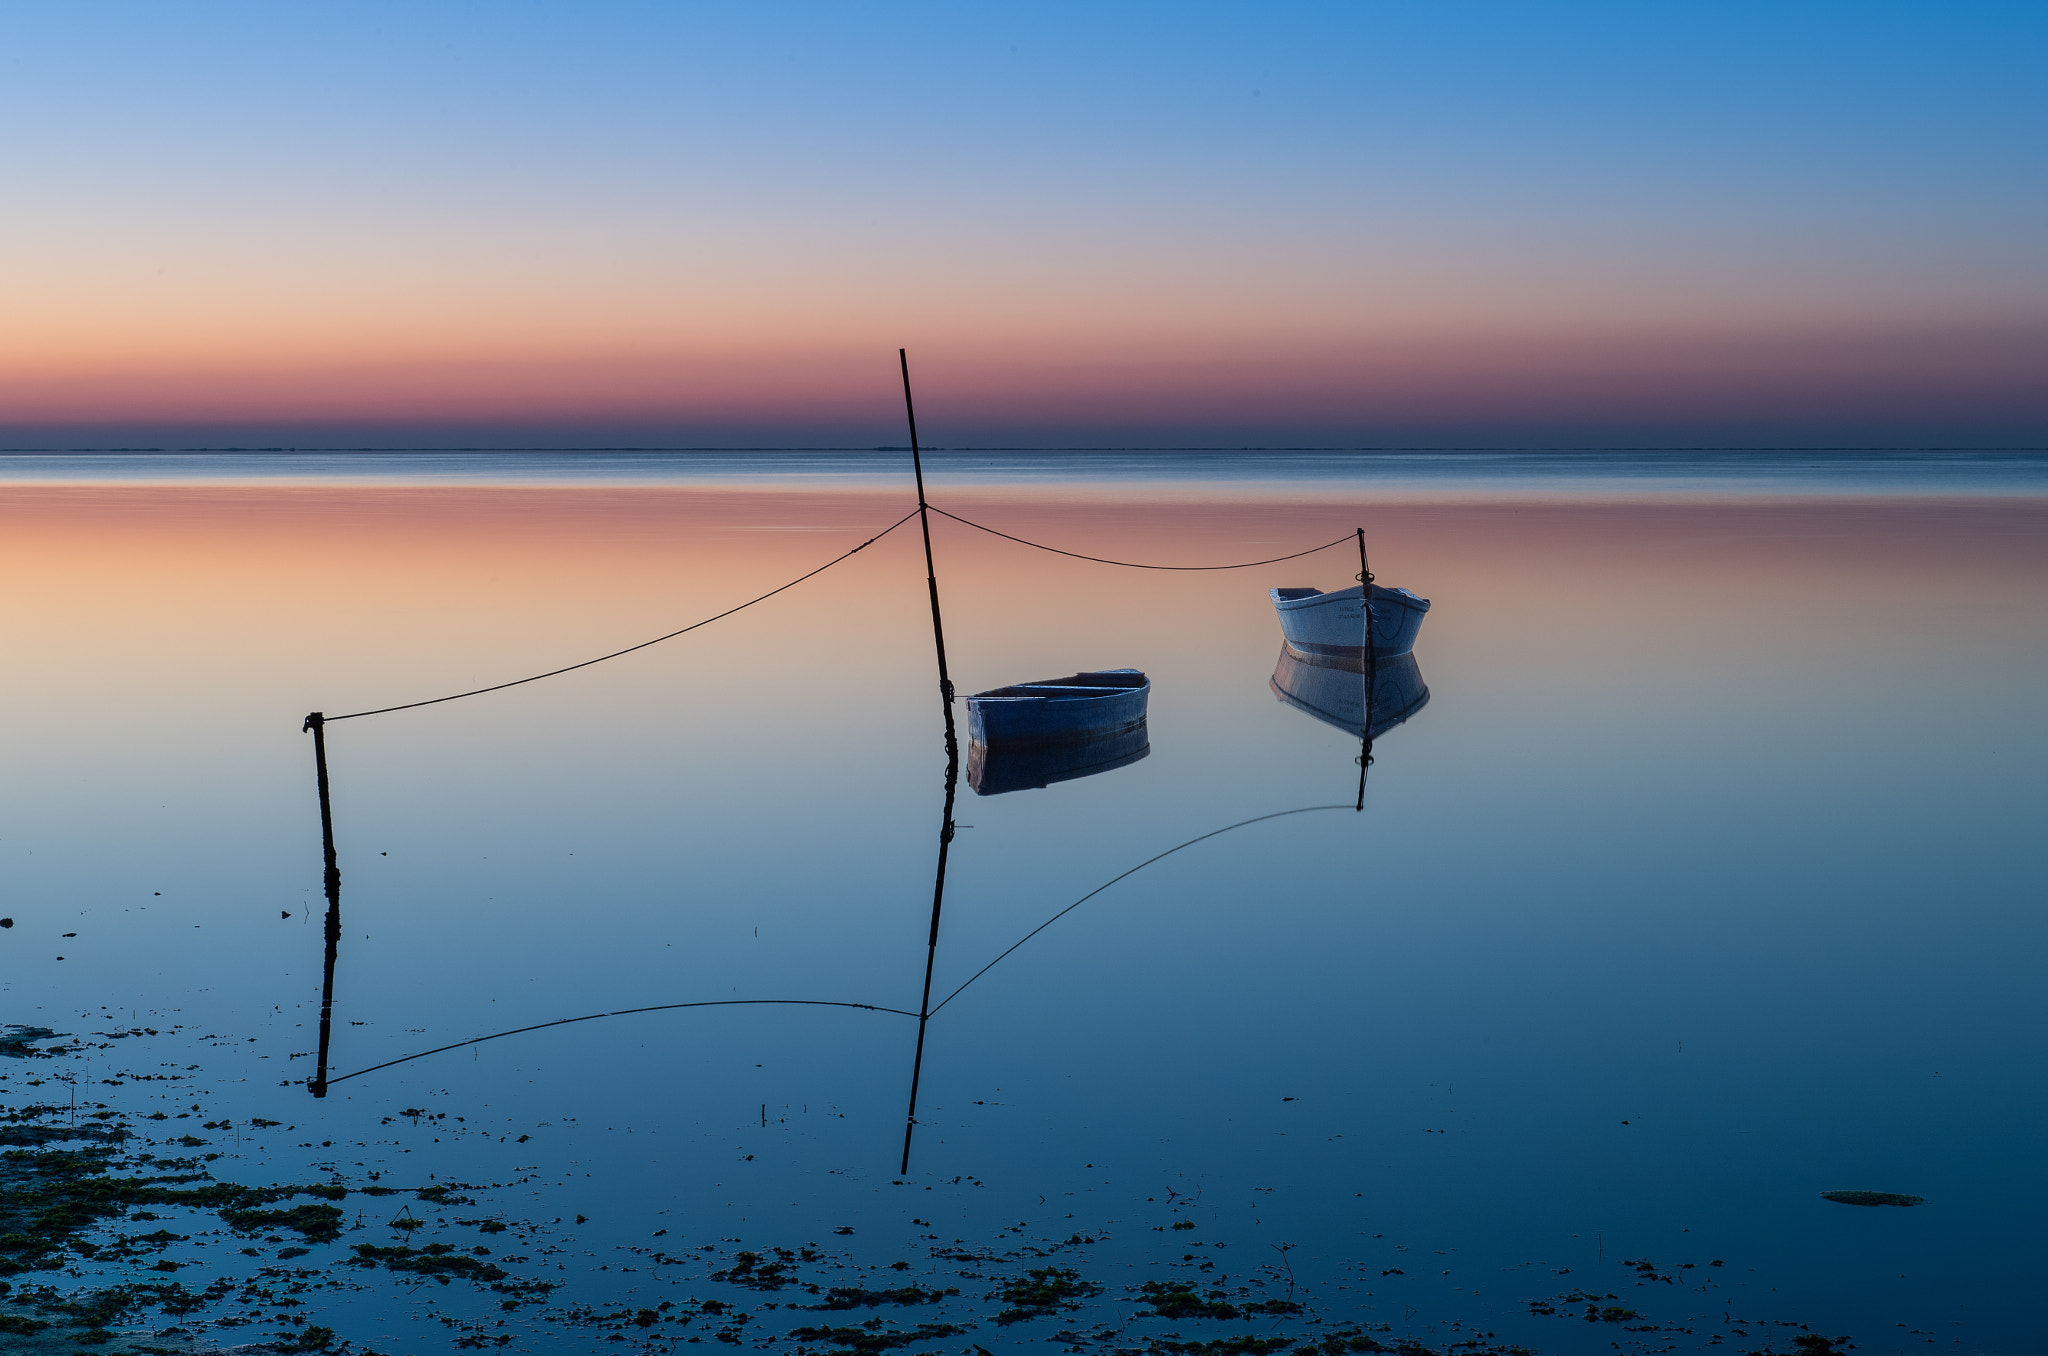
(571, 668)
(1132, 564)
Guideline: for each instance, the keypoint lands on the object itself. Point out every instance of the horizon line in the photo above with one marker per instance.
(238, 449)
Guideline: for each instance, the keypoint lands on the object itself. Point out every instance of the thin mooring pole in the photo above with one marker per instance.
(317, 723)
(1372, 666)
(931, 578)
(931, 947)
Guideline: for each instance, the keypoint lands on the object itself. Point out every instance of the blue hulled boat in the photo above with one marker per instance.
(1070, 710)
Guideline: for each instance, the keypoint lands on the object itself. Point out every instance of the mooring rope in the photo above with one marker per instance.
(1132, 564)
(1260, 819)
(571, 668)
(622, 1012)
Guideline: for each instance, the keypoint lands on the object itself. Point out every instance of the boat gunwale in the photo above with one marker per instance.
(1056, 689)
(1381, 594)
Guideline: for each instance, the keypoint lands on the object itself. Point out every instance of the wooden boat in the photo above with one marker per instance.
(1333, 690)
(1070, 710)
(1331, 625)
(1012, 767)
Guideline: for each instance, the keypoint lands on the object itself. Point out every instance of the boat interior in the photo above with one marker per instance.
(1099, 684)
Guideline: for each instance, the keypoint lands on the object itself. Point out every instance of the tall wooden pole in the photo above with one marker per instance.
(331, 878)
(931, 580)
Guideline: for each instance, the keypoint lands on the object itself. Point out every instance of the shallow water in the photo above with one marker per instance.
(1704, 882)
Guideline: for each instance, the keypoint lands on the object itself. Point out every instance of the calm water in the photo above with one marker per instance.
(1706, 881)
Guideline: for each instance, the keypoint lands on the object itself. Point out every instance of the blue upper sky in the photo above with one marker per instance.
(380, 214)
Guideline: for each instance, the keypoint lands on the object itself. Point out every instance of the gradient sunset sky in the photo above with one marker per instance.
(1336, 224)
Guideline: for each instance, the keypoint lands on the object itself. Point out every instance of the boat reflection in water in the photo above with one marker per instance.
(1333, 690)
(1005, 767)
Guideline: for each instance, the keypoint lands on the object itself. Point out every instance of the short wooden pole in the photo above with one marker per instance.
(1371, 666)
(331, 879)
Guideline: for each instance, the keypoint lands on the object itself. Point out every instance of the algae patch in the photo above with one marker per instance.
(314, 1223)
(50, 1196)
(1041, 1291)
(16, 1042)
(859, 1297)
(863, 1341)
(1870, 1198)
(1177, 1299)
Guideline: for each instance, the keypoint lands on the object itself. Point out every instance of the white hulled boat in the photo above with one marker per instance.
(1321, 625)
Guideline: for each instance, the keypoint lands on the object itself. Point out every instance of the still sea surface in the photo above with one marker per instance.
(1708, 879)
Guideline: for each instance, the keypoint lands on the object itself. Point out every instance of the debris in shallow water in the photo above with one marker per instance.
(751, 1270)
(862, 1341)
(1176, 1299)
(1041, 1291)
(315, 1223)
(433, 1262)
(1870, 1198)
(859, 1297)
(14, 1041)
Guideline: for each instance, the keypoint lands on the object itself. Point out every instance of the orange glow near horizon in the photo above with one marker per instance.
(968, 388)
(1191, 336)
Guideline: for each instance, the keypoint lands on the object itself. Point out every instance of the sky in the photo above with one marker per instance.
(1339, 224)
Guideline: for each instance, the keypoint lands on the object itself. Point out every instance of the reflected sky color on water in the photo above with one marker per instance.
(1702, 883)
(1278, 473)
